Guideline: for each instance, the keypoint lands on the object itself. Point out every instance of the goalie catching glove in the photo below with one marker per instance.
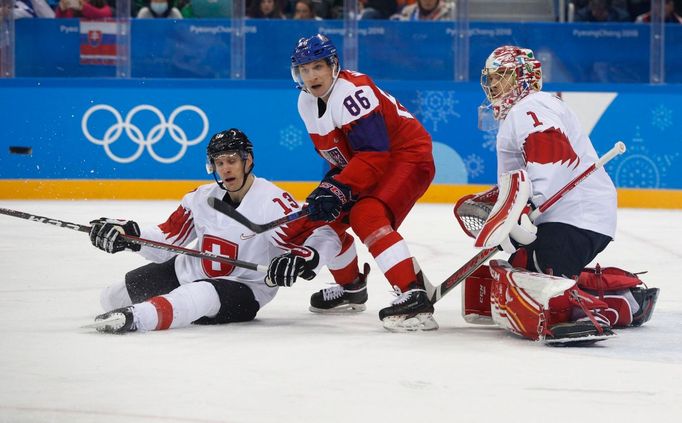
(105, 234)
(284, 269)
(328, 200)
(507, 220)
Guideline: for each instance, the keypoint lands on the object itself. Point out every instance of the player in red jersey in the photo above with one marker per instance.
(381, 164)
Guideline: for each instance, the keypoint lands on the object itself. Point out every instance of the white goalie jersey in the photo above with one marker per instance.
(195, 221)
(543, 136)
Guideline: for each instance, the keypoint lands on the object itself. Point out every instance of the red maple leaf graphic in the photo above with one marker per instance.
(549, 146)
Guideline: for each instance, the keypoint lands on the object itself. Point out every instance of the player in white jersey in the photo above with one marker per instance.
(177, 290)
(541, 146)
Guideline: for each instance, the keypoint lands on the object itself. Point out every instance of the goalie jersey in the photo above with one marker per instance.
(543, 136)
(195, 220)
(361, 129)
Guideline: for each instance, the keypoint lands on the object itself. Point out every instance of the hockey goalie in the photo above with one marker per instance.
(527, 297)
(543, 291)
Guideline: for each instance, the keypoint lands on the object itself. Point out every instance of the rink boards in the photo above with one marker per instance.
(146, 139)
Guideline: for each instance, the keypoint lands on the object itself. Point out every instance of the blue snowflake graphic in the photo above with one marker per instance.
(475, 165)
(490, 140)
(641, 169)
(435, 107)
(661, 117)
(290, 137)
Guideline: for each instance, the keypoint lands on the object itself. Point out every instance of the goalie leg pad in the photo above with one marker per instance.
(530, 304)
(476, 297)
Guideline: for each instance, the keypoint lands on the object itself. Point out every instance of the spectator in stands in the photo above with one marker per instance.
(325, 9)
(32, 9)
(378, 9)
(90, 9)
(601, 11)
(265, 9)
(303, 9)
(205, 8)
(672, 13)
(159, 9)
(426, 10)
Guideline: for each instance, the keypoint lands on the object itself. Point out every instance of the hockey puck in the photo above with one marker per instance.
(24, 151)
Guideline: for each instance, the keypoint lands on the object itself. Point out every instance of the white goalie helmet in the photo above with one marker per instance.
(510, 74)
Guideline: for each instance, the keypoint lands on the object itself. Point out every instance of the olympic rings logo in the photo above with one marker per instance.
(114, 132)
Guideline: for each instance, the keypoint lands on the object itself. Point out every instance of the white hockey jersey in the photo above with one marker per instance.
(195, 220)
(543, 136)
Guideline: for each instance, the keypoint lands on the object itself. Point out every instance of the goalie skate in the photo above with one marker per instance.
(646, 298)
(577, 334)
(116, 321)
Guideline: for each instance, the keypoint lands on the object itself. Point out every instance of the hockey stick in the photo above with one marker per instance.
(435, 293)
(230, 211)
(140, 241)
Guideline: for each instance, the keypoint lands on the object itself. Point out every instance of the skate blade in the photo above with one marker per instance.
(341, 309)
(419, 323)
(581, 341)
(110, 324)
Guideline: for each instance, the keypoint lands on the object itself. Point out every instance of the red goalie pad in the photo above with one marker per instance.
(607, 279)
(529, 304)
(476, 297)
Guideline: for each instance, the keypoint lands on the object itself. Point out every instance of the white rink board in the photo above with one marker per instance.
(293, 366)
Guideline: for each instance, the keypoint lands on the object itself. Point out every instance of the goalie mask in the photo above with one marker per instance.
(311, 49)
(510, 74)
(226, 143)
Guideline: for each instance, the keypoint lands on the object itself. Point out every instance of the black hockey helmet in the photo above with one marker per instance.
(231, 140)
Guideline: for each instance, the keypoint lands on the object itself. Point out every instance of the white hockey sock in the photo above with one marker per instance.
(179, 308)
(115, 296)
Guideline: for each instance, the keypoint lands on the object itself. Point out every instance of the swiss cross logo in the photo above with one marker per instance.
(94, 38)
(223, 247)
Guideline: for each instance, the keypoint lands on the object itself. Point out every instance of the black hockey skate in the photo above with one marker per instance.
(579, 333)
(340, 299)
(120, 320)
(646, 298)
(411, 311)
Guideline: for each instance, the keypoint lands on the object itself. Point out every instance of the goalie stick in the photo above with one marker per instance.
(230, 211)
(435, 293)
(140, 241)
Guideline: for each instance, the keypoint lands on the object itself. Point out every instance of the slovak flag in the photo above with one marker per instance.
(98, 42)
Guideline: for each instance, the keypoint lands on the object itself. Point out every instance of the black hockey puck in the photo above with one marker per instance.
(25, 151)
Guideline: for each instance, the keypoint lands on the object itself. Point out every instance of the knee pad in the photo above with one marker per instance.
(368, 215)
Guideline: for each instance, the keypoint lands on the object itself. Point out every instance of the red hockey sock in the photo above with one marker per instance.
(164, 311)
(344, 267)
(370, 221)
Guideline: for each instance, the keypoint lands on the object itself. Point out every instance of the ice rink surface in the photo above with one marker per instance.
(290, 365)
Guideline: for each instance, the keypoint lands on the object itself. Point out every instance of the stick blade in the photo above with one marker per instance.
(226, 209)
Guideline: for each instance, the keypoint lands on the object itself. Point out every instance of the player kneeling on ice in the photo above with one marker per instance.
(541, 149)
(177, 290)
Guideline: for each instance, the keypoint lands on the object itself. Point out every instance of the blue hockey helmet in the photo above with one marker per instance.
(313, 48)
(317, 47)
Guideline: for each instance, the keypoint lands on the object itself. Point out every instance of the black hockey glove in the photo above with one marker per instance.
(284, 269)
(328, 200)
(105, 234)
